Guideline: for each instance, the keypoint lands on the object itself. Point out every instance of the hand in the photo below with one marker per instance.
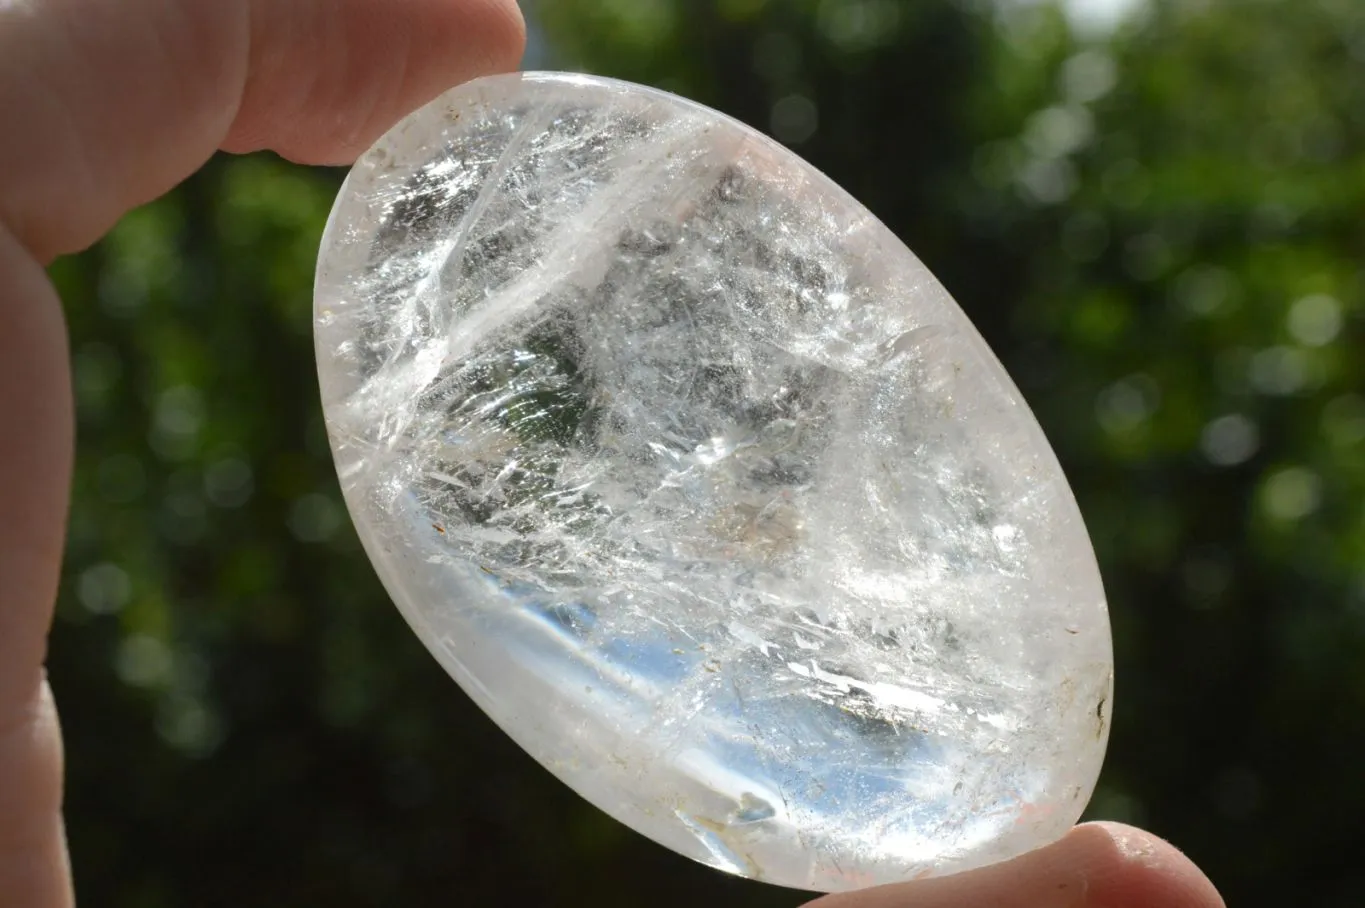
(106, 104)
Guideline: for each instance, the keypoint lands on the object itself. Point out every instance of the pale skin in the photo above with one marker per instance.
(107, 104)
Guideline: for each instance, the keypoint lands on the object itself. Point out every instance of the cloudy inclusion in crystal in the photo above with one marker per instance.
(704, 489)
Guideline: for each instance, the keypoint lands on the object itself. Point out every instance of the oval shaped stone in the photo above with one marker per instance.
(702, 487)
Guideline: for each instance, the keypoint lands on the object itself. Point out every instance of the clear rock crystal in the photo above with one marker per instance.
(702, 487)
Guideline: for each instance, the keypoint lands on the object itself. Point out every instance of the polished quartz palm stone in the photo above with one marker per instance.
(703, 488)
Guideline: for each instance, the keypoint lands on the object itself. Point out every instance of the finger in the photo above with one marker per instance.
(108, 103)
(1097, 865)
(35, 460)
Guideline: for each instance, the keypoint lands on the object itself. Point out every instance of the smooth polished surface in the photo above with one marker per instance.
(705, 490)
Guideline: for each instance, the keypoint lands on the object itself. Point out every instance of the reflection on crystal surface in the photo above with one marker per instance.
(700, 485)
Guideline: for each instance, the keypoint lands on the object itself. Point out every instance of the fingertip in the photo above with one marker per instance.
(512, 22)
(1096, 865)
(1132, 868)
(369, 64)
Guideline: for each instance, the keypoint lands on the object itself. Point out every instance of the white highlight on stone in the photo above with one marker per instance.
(701, 486)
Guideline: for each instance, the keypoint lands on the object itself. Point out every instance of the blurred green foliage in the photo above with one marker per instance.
(1159, 232)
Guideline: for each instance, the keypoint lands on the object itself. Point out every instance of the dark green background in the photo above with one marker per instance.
(1161, 234)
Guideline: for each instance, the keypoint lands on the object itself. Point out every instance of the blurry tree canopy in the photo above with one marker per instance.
(1159, 233)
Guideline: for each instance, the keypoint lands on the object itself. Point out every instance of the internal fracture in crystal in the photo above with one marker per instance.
(701, 486)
